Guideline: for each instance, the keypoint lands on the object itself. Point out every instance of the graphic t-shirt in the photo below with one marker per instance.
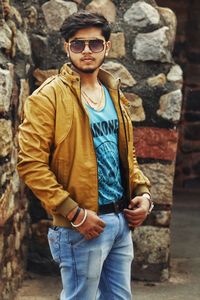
(104, 125)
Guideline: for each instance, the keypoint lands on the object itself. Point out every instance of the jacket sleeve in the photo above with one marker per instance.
(36, 136)
(139, 182)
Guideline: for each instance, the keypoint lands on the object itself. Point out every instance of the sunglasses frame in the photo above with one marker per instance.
(87, 42)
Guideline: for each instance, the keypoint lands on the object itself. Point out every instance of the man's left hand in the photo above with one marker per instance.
(137, 211)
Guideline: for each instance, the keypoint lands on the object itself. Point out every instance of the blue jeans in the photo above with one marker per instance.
(95, 269)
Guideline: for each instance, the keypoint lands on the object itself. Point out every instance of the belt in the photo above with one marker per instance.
(114, 207)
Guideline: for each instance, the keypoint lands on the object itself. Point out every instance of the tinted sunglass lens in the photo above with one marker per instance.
(77, 46)
(96, 45)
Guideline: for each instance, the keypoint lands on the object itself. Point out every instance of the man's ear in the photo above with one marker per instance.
(108, 46)
(66, 47)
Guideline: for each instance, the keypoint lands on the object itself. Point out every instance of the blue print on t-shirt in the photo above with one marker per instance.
(104, 125)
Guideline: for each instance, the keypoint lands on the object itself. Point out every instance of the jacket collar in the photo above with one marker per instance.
(69, 76)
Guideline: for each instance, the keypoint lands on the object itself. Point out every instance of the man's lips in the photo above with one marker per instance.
(87, 59)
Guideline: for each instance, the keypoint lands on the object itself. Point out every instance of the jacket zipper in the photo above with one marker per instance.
(129, 196)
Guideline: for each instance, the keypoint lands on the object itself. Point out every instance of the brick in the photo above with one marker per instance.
(157, 143)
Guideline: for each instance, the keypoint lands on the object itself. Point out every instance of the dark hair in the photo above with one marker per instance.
(84, 19)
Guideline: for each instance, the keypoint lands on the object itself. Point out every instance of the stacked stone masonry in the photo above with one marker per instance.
(186, 53)
(31, 48)
(15, 58)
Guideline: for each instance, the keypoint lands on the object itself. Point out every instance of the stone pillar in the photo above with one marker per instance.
(14, 88)
(186, 53)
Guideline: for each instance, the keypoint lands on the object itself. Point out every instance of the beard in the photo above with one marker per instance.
(90, 70)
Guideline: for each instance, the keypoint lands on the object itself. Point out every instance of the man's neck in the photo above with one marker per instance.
(89, 80)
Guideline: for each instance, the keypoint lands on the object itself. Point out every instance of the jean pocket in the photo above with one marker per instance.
(75, 238)
(54, 244)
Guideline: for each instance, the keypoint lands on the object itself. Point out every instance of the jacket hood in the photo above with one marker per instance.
(69, 76)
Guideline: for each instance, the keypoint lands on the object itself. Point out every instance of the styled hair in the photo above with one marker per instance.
(84, 19)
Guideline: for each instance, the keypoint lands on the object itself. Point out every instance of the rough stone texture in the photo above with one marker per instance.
(5, 37)
(24, 93)
(161, 178)
(135, 107)
(6, 83)
(15, 60)
(188, 30)
(151, 246)
(106, 7)
(56, 11)
(171, 22)
(159, 80)
(23, 42)
(39, 46)
(175, 75)
(170, 106)
(118, 45)
(119, 71)
(159, 218)
(141, 15)
(153, 46)
(156, 143)
(6, 137)
(41, 75)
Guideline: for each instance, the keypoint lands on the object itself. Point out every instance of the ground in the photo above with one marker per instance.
(184, 283)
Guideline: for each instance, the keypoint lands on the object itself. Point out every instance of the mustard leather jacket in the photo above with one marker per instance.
(57, 158)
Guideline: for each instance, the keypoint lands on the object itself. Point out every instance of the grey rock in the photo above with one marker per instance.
(106, 7)
(39, 45)
(23, 43)
(152, 46)
(151, 244)
(141, 14)
(5, 37)
(175, 74)
(162, 218)
(6, 84)
(56, 11)
(119, 71)
(170, 106)
(161, 178)
(171, 22)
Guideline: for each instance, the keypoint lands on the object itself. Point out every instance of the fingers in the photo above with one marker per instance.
(135, 212)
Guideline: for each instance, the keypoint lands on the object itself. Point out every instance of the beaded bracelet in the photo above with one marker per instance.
(81, 223)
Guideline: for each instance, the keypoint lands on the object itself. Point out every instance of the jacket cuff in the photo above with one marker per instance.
(141, 189)
(67, 205)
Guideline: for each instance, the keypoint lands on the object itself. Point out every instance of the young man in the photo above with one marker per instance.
(77, 156)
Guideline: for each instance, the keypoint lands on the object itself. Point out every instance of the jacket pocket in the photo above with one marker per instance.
(54, 244)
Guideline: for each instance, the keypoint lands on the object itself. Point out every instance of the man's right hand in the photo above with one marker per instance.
(93, 225)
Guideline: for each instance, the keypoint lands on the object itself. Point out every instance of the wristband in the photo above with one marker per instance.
(151, 205)
(76, 215)
(83, 220)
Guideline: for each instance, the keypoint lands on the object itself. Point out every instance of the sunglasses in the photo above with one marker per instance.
(78, 46)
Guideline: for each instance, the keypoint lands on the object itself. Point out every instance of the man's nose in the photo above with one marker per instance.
(87, 48)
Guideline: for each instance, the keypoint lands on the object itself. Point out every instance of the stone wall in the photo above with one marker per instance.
(143, 39)
(186, 53)
(14, 88)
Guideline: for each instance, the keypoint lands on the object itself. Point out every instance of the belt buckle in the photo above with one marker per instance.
(116, 207)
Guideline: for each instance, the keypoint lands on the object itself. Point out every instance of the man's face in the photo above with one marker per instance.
(87, 60)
